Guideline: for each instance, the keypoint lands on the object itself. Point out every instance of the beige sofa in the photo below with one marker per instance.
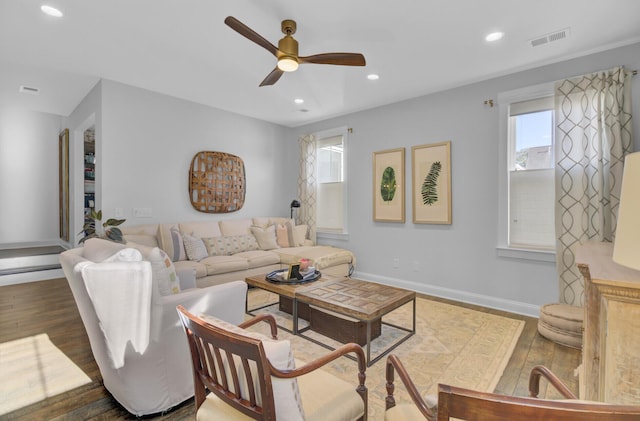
(237, 248)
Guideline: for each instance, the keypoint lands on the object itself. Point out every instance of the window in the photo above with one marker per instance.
(526, 225)
(331, 182)
(531, 174)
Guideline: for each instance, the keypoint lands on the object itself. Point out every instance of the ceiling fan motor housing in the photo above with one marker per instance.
(288, 46)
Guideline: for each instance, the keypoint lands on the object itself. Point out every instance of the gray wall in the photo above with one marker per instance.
(147, 141)
(28, 176)
(459, 260)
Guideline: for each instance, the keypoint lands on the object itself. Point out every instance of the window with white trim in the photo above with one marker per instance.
(526, 186)
(531, 174)
(331, 182)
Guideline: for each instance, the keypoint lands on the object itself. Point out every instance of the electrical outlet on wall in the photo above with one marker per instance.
(142, 212)
(118, 213)
(396, 263)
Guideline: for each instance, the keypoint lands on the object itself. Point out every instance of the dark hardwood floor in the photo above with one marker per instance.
(48, 307)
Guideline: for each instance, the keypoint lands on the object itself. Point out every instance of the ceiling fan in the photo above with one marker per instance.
(287, 50)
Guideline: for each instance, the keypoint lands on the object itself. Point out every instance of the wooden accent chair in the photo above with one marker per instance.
(464, 404)
(248, 380)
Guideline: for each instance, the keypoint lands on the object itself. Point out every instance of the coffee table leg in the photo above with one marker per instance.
(368, 342)
(294, 315)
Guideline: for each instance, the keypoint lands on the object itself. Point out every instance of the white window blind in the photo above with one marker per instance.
(331, 184)
(531, 174)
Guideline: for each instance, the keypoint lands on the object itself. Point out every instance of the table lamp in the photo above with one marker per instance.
(626, 248)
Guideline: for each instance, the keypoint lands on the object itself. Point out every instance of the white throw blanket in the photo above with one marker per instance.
(121, 296)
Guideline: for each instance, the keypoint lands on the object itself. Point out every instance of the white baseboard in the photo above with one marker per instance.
(510, 306)
(22, 278)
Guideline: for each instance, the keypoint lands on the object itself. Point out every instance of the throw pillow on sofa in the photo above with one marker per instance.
(299, 235)
(194, 247)
(284, 235)
(266, 237)
(163, 273)
(227, 246)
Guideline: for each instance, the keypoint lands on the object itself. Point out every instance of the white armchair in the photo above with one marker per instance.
(160, 377)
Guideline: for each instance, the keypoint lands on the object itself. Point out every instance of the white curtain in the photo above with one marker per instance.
(307, 184)
(593, 135)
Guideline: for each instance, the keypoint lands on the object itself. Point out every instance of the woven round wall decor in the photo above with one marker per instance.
(216, 182)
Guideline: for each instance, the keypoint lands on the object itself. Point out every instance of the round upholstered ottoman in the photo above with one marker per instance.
(562, 323)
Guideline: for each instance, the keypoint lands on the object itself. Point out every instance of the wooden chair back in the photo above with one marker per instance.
(464, 404)
(210, 348)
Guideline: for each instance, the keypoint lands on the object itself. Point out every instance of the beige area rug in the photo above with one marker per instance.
(34, 369)
(452, 345)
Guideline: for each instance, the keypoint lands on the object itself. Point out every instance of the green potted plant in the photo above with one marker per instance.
(95, 228)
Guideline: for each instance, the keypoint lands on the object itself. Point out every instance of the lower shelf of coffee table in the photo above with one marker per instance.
(334, 327)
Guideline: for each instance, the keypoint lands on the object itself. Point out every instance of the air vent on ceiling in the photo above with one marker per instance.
(29, 90)
(550, 37)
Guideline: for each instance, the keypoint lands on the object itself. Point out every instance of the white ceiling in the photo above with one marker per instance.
(183, 48)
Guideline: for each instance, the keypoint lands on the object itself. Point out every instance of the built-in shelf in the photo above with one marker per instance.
(89, 162)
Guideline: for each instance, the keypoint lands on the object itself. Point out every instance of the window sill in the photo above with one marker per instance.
(342, 236)
(527, 254)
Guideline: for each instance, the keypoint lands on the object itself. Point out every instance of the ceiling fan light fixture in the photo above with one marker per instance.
(288, 64)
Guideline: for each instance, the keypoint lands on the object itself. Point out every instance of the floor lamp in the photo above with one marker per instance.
(294, 204)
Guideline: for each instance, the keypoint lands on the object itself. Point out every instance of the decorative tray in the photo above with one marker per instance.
(276, 278)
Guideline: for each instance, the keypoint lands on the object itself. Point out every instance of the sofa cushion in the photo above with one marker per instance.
(194, 247)
(200, 268)
(232, 227)
(201, 229)
(266, 237)
(147, 240)
(226, 246)
(266, 221)
(224, 264)
(286, 395)
(259, 258)
(141, 234)
(320, 256)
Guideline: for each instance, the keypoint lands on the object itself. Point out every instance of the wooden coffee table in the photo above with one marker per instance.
(288, 291)
(358, 299)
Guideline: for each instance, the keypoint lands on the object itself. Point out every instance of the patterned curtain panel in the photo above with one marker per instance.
(593, 135)
(307, 184)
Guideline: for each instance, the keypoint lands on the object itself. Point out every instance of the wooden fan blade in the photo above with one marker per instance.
(250, 34)
(272, 77)
(342, 59)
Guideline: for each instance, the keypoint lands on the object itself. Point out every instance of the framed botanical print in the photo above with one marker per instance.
(388, 186)
(431, 183)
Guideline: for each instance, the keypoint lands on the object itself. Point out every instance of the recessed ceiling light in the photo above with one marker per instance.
(51, 11)
(299, 101)
(373, 76)
(494, 36)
